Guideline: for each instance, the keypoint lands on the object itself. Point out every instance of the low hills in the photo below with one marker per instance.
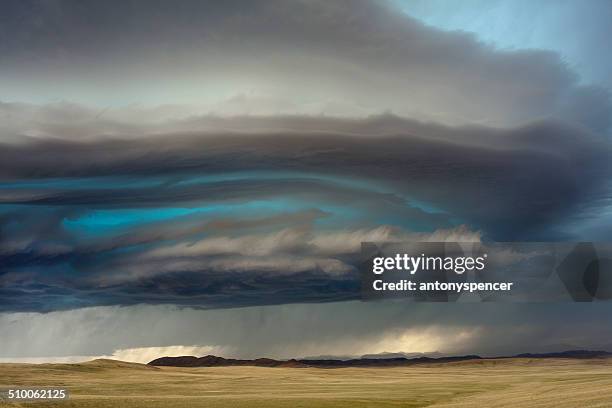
(215, 361)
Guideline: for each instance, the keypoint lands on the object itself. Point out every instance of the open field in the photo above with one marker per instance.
(512, 383)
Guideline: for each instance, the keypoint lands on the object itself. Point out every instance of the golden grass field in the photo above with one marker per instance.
(514, 383)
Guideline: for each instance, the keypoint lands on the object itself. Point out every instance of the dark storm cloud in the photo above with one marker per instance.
(115, 204)
(254, 216)
(505, 181)
(236, 57)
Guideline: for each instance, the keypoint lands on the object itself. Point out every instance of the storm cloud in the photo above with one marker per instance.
(348, 58)
(210, 169)
(218, 218)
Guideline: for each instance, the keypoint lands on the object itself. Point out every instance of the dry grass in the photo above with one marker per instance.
(491, 383)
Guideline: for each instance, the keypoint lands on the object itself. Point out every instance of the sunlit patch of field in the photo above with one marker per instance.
(489, 383)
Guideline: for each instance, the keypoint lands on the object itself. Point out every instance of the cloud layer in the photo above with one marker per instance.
(349, 58)
(274, 210)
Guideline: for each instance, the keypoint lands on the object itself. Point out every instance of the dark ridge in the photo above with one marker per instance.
(214, 361)
(385, 362)
(568, 354)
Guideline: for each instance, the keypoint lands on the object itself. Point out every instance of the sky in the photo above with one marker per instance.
(205, 170)
(574, 30)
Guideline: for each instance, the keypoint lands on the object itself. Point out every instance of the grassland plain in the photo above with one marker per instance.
(542, 383)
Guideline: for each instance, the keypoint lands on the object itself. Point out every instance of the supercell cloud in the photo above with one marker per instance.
(222, 155)
(220, 218)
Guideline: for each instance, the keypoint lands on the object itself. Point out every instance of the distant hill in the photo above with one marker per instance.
(386, 355)
(111, 364)
(568, 354)
(214, 361)
(377, 361)
(383, 355)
